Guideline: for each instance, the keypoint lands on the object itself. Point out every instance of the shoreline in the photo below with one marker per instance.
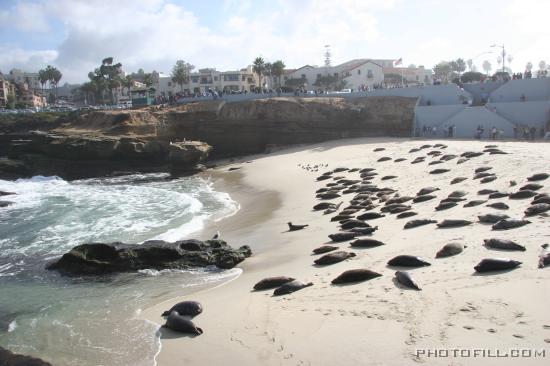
(250, 328)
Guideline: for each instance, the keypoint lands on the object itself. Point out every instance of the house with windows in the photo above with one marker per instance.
(410, 75)
(357, 74)
(6, 88)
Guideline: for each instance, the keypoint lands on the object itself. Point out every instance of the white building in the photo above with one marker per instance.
(356, 74)
(205, 80)
(411, 75)
(31, 78)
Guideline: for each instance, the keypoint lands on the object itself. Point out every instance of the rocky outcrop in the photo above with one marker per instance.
(82, 156)
(99, 258)
(254, 126)
(8, 358)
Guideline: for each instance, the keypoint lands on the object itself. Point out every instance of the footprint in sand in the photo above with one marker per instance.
(547, 340)
(491, 330)
(469, 327)
(545, 326)
(518, 336)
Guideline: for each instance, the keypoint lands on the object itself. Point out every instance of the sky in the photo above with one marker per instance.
(75, 35)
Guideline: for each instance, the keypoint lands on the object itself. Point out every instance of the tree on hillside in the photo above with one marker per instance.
(258, 66)
(295, 82)
(487, 67)
(277, 69)
(443, 71)
(332, 82)
(180, 73)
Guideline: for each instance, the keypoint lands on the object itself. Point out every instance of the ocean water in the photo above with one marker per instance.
(94, 321)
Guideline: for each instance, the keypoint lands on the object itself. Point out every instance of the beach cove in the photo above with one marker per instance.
(377, 321)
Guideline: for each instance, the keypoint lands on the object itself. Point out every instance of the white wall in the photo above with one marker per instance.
(533, 89)
(359, 76)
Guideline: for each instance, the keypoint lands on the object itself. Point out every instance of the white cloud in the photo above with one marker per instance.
(27, 60)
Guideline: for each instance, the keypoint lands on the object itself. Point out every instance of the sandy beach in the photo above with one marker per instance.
(376, 322)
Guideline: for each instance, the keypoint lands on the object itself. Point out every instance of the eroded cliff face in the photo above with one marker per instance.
(254, 126)
(178, 138)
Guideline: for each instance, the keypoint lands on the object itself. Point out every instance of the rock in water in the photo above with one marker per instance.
(334, 257)
(181, 324)
(355, 275)
(508, 224)
(8, 358)
(450, 250)
(291, 287)
(406, 280)
(408, 261)
(98, 258)
(496, 264)
(186, 308)
(272, 282)
(503, 244)
(453, 223)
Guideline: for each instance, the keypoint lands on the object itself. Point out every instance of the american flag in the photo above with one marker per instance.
(398, 62)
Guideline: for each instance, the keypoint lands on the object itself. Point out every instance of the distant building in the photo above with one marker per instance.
(31, 78)
(30, 97)
(205, 80)
(6, 88)
(357, 74)
(411, 75)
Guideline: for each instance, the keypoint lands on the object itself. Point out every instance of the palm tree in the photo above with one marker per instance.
(128, 82)
(259, 68)
(43, 79)
(277, 69)
(486, 67)
(56, 77)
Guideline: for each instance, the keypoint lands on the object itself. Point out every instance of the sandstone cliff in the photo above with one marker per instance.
(252, 126)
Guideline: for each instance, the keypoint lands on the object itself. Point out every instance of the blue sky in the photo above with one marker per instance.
(75, 35)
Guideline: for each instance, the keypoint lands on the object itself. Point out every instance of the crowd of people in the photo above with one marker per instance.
(527, 133)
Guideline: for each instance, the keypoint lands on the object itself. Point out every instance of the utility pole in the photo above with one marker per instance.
(327, 58)
(503, 56)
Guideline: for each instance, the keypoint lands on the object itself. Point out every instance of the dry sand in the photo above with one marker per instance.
(374, 322)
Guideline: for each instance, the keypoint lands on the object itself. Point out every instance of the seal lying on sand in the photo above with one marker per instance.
(492, 218)
(418, 222)
(522, 194)
(355, 275)
(405, 214)
(343, 236)
(496, 264)
(334, 257)
(544, 257)
(503, 244)
(291, 287)
(187, 308)
(508, 224)
(324, 249)
(292, 227)
(181, 324)
(408, 261)
(272, 282)
(453, 223)
(450, 249)
(366, 243)
(537, 209)
(499, 205)
(538, 176)
(406, 280)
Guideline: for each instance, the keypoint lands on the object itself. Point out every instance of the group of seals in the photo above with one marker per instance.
(178, 317)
